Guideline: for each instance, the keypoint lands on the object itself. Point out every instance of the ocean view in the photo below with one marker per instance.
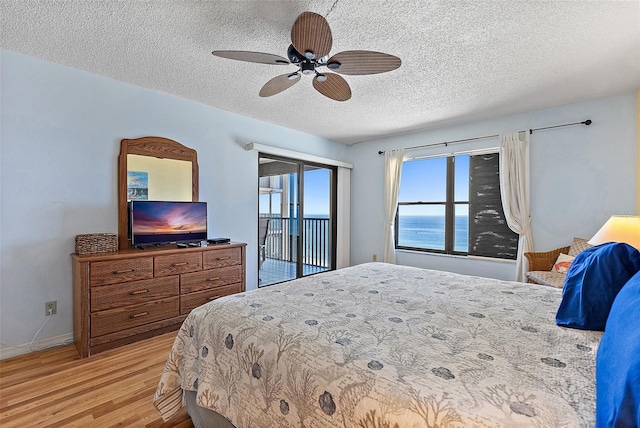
(421, 231)
(428, 232)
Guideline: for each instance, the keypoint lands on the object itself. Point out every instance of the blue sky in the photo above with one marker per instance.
(316, 192)
(426, 180)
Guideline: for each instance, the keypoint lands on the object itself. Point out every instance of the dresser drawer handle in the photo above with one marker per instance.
(223, 258)
(133, 293)
(214, 279)
(210, 298)
(118, 272)
(141, 314)
(180, 264)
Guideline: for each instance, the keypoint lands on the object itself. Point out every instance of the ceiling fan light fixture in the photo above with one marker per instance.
(311, 42)
(308, 68)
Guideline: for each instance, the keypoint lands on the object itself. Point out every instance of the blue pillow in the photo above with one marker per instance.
(594, 279)
(618, 362)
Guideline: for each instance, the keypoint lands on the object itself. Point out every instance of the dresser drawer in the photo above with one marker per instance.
(222, 258)
(193, 300)
(207, 279)
(113, 272)
(131, 293)
(177, 263)
(113, 320)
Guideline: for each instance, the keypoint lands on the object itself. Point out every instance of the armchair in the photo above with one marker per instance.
(263, 228)
(541, 263)
(544, 261)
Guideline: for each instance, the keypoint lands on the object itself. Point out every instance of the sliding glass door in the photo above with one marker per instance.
(296, 224)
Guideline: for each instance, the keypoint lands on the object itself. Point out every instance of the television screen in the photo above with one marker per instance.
(161, 222)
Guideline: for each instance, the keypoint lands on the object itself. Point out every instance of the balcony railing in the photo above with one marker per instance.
(282, 240)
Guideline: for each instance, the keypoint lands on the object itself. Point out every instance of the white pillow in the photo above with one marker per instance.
(562, 263)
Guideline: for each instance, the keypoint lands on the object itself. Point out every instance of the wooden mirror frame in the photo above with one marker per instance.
(157, 147)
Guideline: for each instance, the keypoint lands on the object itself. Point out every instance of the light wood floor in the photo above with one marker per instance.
(55, 388)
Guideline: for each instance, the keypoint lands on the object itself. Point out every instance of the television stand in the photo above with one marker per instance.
(129, 295)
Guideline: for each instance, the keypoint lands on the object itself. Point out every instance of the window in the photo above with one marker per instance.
(452, 205)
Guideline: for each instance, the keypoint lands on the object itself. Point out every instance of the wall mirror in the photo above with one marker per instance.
(154, 169)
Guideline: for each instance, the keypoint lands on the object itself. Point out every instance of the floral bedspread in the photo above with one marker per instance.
(378, 345)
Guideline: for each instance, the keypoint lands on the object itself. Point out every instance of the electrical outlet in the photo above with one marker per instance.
(50, 308)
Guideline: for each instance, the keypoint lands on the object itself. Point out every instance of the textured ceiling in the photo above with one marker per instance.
(462, 60)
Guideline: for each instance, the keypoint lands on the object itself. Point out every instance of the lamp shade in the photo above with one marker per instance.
(619, 228)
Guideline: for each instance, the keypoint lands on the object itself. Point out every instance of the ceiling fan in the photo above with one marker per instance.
(311, 42)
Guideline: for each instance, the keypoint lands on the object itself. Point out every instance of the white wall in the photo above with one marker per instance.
(579, 177)
(60, 131)
(60, 138)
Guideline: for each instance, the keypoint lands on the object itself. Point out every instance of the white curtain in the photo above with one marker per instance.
(344, 215)
(393, 170)
(514, 190)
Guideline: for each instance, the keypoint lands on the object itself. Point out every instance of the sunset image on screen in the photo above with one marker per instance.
(168, 221)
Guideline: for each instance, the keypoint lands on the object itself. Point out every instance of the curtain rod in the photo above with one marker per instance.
(586, 122)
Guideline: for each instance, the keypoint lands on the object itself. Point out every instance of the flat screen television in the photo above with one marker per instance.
(163, 222)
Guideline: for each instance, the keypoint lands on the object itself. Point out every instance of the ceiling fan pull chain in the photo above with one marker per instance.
(333, 6)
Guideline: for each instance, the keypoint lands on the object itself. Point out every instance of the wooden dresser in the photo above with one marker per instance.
(134, 294)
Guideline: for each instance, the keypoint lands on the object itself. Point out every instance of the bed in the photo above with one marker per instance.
(379, 345)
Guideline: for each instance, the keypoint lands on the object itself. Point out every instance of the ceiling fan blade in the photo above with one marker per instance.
(279, 84)
(311, 35)
(259, 57)
(334, 87)
(362, 62)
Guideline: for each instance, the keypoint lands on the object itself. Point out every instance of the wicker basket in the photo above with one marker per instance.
(93, 243)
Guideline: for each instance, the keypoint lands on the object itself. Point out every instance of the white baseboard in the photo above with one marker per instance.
(38, 345)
